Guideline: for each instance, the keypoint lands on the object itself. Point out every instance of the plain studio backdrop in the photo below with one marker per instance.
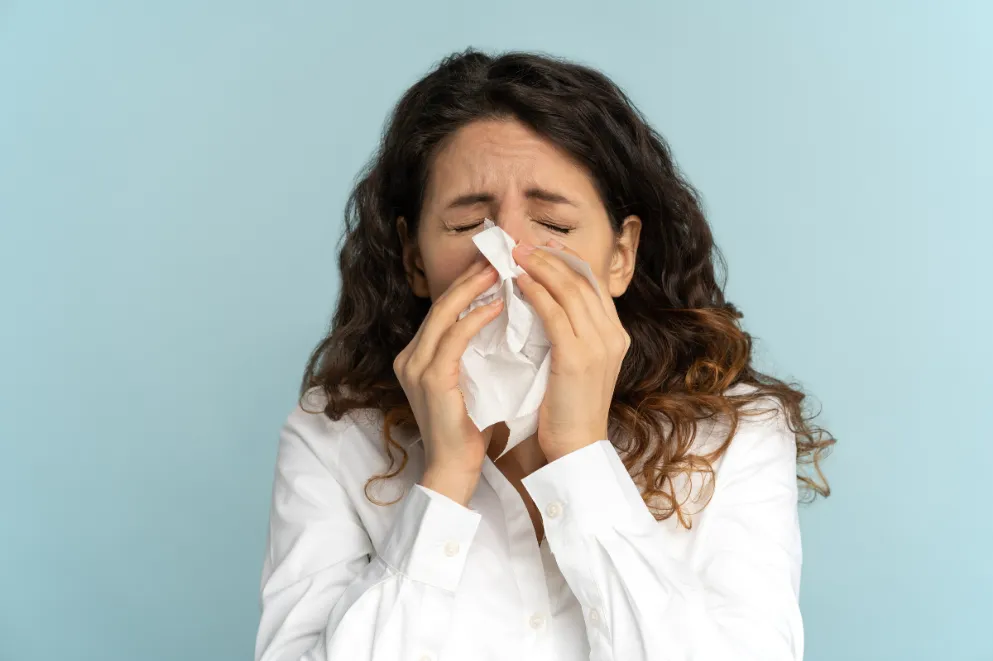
(172, 178)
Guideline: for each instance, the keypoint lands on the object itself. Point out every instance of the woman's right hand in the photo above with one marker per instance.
(428, 370)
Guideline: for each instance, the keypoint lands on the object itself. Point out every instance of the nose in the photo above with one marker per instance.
(518, 225)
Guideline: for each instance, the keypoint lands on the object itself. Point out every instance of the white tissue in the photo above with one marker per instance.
(504, 370)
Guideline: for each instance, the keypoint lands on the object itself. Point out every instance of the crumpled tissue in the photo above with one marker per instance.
(504, 371)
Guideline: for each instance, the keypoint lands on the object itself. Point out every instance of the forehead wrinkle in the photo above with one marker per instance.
(497, 180)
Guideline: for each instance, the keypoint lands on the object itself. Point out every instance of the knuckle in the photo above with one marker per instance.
(412, 369)
(432, 377)
(617, 343)
(445, 308)
(402, 361)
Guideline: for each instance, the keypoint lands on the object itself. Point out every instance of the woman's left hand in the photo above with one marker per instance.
(588, 346)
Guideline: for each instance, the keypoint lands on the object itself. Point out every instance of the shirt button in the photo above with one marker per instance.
(553, 509)
(452, 549)
(594, 615)
(537, 621)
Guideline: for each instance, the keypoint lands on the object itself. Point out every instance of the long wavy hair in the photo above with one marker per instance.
(687, 347)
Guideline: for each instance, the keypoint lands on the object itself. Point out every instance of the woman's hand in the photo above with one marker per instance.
(588, 346)
(428, 370)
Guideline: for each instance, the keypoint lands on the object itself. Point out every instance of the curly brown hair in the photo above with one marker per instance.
(687, 347)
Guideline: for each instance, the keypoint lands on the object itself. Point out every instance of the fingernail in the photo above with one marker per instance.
(552, 243)
(525, 248)
(489, 270)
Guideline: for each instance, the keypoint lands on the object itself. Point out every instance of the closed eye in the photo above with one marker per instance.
(467, 228)
(555, 228)
(552, 226)
(547, 223)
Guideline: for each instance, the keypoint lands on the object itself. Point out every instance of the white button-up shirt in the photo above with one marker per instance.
(425, 579)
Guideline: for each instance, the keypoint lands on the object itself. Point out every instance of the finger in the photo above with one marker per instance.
(602, 310)
(476, 267)
(590, 293)
(606, 300)
(557, 325)
(569, 289)
(456, 339)
(445, 312)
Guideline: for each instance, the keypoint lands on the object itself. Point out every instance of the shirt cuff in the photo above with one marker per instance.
(430, 538)
(591, 488)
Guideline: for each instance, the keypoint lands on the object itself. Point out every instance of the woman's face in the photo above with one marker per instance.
(502, 170)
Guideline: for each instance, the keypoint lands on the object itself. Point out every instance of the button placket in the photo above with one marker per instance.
(526, 561)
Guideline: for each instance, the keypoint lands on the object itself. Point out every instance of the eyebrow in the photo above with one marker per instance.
(533, 193)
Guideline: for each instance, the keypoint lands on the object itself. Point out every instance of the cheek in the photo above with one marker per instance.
(601, 270)
(444, 264)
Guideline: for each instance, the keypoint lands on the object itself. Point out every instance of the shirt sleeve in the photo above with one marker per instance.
(733, 595)
(326, 594)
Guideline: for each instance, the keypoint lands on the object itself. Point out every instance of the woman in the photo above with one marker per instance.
(653, 516)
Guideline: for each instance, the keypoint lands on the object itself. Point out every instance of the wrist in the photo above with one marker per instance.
(456, 486)
(555, 452)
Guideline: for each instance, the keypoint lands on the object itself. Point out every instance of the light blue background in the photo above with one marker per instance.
(172, 177)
